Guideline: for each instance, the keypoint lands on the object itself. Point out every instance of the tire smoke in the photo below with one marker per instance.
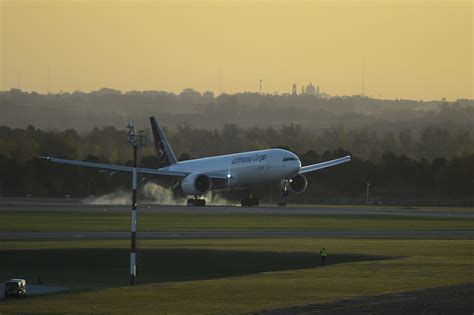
(152, 193)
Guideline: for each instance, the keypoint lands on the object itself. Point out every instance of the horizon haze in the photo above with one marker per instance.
(404, 50)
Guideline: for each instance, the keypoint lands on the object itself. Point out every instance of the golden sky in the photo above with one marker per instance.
(416, 50)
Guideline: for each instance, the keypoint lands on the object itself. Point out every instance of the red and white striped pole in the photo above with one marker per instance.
(133, 255)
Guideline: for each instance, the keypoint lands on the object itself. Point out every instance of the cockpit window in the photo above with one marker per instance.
(289, 159)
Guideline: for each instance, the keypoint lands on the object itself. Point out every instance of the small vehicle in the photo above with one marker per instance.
(15, 287)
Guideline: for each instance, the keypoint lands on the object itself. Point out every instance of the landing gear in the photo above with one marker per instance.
(195, 202)
(249, 202)
(283, 199)
(284, 194)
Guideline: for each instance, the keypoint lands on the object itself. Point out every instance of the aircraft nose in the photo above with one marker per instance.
(296, 165)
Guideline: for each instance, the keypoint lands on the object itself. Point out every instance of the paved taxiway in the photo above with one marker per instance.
(240, 234)
(32, 289)
(42, 205)
(7, 204)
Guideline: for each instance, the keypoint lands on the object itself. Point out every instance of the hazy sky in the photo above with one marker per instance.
(416, 50)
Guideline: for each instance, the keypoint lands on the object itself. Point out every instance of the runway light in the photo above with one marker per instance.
(229, 176)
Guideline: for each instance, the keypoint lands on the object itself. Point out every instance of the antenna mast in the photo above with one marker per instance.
(363, 77)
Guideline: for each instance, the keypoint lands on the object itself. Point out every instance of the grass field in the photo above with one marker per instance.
(226, 276)
(414, 264)
(119, 221)
(92, 268)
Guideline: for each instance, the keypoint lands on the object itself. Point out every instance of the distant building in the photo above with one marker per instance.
(312, 90)
(308, 90)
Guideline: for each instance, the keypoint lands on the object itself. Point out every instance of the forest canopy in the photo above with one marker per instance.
(413, 152)
(434, 168)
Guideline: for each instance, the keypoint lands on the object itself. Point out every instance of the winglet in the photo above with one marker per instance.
(164, 152)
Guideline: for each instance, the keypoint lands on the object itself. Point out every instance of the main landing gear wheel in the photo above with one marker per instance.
(250, 202)
(194, 202)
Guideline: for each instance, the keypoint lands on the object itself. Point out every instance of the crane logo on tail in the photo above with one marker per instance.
(161, 150)
(164, 152)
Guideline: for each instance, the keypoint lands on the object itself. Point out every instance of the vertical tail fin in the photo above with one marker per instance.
(164, 152)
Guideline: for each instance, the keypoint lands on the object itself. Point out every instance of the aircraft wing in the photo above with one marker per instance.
(318, 166)
(113, 167)
(123, 168)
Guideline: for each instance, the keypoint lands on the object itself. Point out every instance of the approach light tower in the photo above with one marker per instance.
(135, 140)
(367, 194)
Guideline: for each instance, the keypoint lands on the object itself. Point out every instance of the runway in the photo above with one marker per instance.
(239, 234)
(74, 205)
(64, 205)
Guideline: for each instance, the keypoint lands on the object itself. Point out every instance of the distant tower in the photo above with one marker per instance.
(260, 87)
(48, 80)
(363, 77)
(294, 90)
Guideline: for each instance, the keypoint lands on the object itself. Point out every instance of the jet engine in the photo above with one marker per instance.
(298, 184)
(196, 184)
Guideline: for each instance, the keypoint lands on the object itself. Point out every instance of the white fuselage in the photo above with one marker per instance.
(246, 168)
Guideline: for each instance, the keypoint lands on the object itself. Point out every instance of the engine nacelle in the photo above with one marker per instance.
(196, 184)
(298, 184)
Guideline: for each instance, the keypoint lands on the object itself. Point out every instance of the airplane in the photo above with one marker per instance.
(243, 170)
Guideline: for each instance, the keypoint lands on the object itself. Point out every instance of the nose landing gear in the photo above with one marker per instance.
(284, 194)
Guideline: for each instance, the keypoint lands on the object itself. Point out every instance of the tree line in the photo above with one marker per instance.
(435, 167)
(366, 143)
(107, 107)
